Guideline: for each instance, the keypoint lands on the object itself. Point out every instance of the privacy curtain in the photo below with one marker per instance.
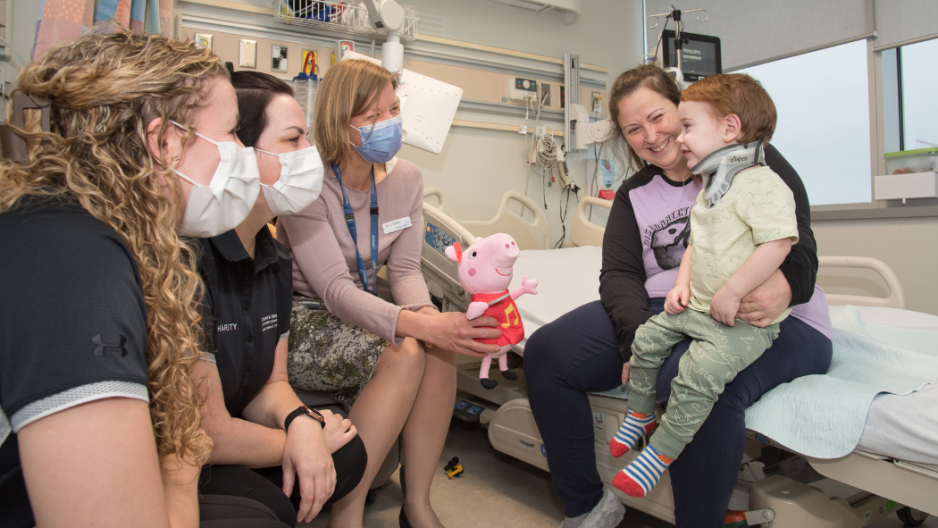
(64, 20)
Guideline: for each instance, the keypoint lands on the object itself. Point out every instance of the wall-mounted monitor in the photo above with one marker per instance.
(700, 55)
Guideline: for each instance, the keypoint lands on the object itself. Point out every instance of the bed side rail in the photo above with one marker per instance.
(584, 232)
(439, 231)
(434, 196)
(533, 233)
(896, 298)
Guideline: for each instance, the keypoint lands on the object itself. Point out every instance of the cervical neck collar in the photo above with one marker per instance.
(723, 164)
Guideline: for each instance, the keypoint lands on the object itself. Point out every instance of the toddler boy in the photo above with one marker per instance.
(742, 228)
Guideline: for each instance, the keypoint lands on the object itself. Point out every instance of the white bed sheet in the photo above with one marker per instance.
(904, 427)
(567, 278)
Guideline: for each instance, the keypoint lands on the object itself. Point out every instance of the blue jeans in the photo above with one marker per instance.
(579, 353)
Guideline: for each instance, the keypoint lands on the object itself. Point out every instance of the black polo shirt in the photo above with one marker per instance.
(246, 311)
(73, 326)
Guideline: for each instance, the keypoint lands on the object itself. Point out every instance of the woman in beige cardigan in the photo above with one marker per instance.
(393, 364)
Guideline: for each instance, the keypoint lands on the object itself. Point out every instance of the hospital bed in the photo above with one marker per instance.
(851, 491)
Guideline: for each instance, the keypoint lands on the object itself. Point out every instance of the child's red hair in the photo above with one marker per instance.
(740, 94)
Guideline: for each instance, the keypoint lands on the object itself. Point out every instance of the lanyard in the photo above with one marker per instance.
(350, 221)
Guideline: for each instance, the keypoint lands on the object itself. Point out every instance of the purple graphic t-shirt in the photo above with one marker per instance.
(662, 211)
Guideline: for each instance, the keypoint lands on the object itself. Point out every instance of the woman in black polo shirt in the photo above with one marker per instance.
(252, 414)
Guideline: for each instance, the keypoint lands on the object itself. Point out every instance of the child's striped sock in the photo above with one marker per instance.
(639, 477)
(634, 427)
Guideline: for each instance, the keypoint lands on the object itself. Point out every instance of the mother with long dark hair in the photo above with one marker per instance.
(589, 348)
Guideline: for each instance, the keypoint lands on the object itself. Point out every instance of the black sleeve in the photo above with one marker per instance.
(72, 313)
(622, 279)
(800, 267)
(284, 290)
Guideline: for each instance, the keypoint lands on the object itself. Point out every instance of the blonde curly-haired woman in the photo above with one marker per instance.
(99, 418)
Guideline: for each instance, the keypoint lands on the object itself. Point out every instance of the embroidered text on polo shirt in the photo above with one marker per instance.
(230, 327)
(268, 322)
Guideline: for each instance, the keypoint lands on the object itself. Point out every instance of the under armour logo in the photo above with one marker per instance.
(109, 341)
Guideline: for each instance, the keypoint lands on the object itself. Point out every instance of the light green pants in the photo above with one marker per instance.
(717, 354)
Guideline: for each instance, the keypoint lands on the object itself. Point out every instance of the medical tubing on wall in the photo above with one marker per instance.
(530, 153)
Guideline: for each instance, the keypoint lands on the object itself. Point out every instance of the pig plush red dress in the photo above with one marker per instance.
(485, 271)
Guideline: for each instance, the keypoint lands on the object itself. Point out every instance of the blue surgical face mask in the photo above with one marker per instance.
(381, 141)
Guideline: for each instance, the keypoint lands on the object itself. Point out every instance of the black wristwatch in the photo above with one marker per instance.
(312, 413)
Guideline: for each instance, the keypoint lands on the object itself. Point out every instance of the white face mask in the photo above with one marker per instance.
(227, 200)
(300, 182)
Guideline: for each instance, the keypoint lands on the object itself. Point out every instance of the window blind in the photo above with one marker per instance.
(757, 31)
(900, 22)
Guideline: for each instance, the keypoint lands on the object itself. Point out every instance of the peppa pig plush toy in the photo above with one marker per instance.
(485, 273)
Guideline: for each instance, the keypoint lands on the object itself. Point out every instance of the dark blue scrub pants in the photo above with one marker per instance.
(579, 353)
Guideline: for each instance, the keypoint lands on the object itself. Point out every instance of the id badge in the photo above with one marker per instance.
(396, 225)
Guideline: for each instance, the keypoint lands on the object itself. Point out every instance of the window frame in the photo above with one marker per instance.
(918, 207)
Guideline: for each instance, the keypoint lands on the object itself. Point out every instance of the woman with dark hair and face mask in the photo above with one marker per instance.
(392, 363)
(251, 412)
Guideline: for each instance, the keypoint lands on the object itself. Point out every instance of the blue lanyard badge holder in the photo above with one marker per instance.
(350, 222)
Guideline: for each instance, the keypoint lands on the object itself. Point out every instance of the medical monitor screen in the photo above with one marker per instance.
(700, 55)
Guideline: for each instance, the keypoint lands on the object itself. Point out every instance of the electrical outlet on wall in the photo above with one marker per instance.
(247, 54)
(544, 91)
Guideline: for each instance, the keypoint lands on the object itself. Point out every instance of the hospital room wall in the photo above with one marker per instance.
(21, 16)
(477, 166)
(907, 245)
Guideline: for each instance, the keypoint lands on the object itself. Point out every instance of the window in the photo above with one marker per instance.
(823, 129)
(919, 81)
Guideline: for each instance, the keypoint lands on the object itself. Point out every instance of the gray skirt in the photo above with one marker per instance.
(327, 355)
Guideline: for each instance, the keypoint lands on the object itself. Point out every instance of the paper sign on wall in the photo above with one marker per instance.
(310, 62)
(278, 60)
(342, 47)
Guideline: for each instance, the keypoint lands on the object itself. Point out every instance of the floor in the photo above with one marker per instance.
(498, 490)
(494, 490)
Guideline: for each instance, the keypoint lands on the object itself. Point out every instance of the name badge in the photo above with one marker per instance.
(396, 225)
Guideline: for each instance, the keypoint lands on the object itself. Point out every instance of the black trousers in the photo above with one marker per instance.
(264, 485)
(225, 511)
